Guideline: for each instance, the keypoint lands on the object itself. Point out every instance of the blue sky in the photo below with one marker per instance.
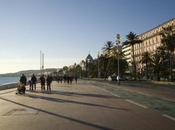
(66, 30)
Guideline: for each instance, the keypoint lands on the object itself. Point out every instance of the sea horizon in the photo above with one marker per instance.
(8, 80)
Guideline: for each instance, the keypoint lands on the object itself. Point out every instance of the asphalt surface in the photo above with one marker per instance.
(79, 106)
(164, 92)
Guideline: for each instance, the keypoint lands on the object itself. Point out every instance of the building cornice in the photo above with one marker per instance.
(156, 27)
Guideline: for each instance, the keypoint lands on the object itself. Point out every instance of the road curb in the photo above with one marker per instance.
(110, 92)
(169, 117)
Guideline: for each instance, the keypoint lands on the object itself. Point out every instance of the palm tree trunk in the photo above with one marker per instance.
(105, 68)
(171, 74)
(134, 65)
(146, 70)
(158, 76)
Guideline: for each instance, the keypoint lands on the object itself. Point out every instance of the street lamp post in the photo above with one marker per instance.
(88, 64)
(98, 66)
(118, 66)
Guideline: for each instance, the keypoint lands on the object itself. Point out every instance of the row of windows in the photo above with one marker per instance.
(148, 43)
(157, 30)
(148, 47)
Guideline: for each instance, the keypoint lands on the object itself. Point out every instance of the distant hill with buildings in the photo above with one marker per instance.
(29, 72)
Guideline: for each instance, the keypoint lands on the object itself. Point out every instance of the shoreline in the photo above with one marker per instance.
(8, 86)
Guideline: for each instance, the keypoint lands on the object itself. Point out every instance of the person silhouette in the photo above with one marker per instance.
(49, 81)
(42, 80)
(33, 81)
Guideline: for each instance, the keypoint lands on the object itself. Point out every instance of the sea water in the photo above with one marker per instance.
(8, 80)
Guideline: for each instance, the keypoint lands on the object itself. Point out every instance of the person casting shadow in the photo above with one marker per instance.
(33, 82)
(49, 81)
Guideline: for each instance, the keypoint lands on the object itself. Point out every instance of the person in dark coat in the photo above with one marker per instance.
(65, 78)
(23, 79)
(30, 84)
(49, 81)
(70, 79)
(42, 80)
(33, 81)
(76, 78)
(23, 82)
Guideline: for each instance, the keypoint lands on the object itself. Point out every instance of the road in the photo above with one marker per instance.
(79, 106)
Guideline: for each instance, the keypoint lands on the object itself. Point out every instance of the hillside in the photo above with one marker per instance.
(28, 72)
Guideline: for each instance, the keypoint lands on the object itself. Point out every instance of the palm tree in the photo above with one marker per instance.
(132, 39)
(65, 69)
(146, 59)
(156, 64)
(168, 38)
(159, 62)
(107, 50)
(103, 63)
(83, 68)
(117, 52)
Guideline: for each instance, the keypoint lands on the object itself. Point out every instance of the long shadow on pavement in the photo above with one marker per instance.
(71, 101)
(82, 94)
(76, 94)
(60, 116)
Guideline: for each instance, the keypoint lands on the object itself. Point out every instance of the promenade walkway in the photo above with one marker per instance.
(79, 106)
(162, 90)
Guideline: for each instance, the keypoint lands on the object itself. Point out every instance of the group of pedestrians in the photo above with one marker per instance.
(66, 79)
(44, 81)
(32, 83)
(48, 80)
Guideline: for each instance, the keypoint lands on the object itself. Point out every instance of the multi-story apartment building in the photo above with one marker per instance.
(126, 49)
(151, 39)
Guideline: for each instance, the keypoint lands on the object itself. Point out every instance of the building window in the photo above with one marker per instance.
(155, 47)
(152, 40)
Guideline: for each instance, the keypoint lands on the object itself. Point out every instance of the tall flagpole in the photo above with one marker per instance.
(41, 62)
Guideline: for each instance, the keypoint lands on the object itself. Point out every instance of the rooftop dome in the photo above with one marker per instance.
(89, 58)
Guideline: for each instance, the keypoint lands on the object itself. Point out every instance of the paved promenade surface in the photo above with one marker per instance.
(76, 107)
(163, 91)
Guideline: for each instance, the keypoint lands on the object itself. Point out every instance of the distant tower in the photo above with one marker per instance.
(89, 61)
(42, 62)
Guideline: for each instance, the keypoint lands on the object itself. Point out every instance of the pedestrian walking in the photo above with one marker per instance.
(61, 79)
(65, 78)
(76, 78)
(30, 84)
(49, 81)
(23, 79)
(70, 79)
(33, 81)
(42, 80)
(21, 87)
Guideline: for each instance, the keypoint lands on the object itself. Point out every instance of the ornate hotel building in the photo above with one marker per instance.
(150, 41)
